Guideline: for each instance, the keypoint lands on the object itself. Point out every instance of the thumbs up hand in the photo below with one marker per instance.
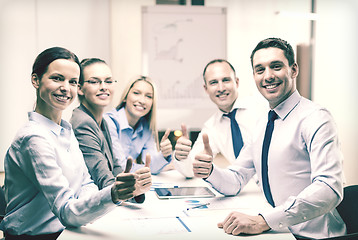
(203, 163)
(144, 178)
(128, 165)
(124, 186)
(183, 145)
(165, 145)
(148, 159)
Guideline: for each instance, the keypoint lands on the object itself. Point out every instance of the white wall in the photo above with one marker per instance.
(28, 27)
(336, 73)
(17, 51)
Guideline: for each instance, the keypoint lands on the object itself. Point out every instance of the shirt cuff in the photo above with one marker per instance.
(214, 174)
(107, 195)
(140, 198)
(169, 158)
(276, 218)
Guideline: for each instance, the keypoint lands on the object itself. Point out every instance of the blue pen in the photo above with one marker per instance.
(198, 206)
(181, 221)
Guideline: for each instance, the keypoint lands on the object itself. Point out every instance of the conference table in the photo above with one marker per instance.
(176, 218)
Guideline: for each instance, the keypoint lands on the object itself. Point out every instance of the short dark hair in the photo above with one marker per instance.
(87, 62)
(219, 60)
(276, 43)
(45, 58)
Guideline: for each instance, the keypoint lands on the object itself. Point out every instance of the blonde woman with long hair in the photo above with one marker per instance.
(132, 126)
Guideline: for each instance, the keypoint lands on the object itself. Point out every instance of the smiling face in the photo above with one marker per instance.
(139, 101)
(57, 88)
(274, 78)
(97, 89)
(221, 85)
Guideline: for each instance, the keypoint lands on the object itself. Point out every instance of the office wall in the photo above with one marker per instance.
(336, 74)
(17, 52)
(28, 27)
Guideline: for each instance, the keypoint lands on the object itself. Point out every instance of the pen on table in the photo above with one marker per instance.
(186, 227)
(198, 206)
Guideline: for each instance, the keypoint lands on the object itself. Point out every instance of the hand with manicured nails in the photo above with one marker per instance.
(165, 145)
(125, 184)
(183, 145)
(144, 178)
(203, 162)
(237, 223)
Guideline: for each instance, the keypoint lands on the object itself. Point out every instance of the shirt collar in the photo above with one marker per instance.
(123, 121)
(284, 108)
(238, 104)
(55, 128)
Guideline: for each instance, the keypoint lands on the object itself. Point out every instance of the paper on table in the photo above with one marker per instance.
(154, 226)
(219, 205)
(161, 185)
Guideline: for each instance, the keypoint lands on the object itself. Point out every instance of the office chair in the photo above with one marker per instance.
(348, 208)
(2, 207)
(2, 204)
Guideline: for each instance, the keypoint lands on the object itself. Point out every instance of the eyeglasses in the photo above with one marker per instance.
(99, 82)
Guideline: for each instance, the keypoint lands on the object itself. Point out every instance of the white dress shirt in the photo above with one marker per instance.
(304, 169)
(218, 128)
(47, 184)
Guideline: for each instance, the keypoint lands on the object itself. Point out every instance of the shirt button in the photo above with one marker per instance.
(304, 218)
(280, 225)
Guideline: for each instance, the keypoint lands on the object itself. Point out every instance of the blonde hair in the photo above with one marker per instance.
(152, 114)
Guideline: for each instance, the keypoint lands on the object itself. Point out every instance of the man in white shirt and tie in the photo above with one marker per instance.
(234, 117)
(297, 158)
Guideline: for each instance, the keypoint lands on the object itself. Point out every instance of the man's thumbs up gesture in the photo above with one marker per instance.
(183, 145)
(203, 162)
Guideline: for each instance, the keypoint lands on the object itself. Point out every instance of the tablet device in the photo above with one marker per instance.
(183, 192)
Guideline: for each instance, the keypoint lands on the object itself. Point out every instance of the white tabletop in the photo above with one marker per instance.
(169, 219)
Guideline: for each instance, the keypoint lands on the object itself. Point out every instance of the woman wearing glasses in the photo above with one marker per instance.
(95, 92)
(47, 184)
(132, 126)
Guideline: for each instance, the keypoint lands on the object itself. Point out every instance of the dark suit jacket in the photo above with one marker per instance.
(96, 146)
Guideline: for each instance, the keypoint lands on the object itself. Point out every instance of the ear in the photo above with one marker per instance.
(35, 80)
(237, 81)
(205, 87)
(294, 70)
(79, 90)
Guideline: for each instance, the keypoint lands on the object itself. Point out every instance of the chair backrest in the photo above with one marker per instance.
(348, 208)
(2, 203)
